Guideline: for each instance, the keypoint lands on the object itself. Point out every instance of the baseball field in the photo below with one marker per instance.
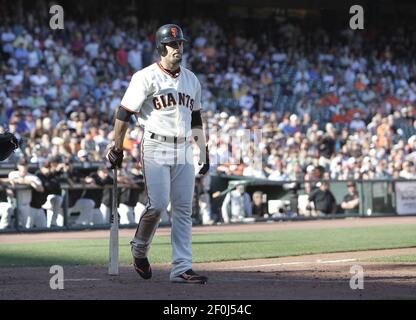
(276, 260)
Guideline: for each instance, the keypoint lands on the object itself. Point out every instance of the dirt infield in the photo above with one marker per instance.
(318, 276)
(304, 277)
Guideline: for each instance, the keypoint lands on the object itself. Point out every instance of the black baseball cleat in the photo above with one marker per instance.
(189, 277)
(142, 267)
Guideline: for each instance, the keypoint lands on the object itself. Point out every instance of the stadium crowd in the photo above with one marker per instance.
(290, 105)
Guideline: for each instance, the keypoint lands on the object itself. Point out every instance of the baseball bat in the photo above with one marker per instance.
(113, 265)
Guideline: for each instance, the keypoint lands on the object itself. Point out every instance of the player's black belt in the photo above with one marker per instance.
(167, 139)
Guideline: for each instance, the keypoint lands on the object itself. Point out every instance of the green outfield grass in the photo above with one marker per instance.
(215, 247)
(410, 258)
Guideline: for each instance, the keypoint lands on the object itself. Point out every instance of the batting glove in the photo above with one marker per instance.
(205, 167)
(115, 156)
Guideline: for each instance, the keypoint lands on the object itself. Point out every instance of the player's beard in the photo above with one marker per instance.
(172, 61)
(176, 59)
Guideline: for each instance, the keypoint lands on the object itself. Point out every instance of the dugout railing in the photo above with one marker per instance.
(377, 198)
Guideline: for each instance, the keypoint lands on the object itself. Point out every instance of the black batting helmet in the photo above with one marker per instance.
(165, 34)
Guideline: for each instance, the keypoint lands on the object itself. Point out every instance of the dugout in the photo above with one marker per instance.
(377, 197)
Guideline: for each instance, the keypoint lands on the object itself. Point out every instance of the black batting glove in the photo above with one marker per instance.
(115, 156)
(205, 167)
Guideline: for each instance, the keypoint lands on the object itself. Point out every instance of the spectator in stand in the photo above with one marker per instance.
(129, 195)
(236, 205)
(28, 218)
(99, 180)
(357, 123)
(51, 198)
(77, 200)
(323, 200)
(259, 207)
(106, 200)
(74, 80)
(351, 202)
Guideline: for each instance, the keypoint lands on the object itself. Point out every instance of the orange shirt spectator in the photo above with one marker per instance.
(128, 144)
(384, 137)
(339, 118)
(332, 99)
(359, 86)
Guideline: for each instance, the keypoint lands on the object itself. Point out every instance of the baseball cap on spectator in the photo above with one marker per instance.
(245, 114)
(84, 68)
(57, 141)
(82, 153)
(351, 184)
(412, 139)
(73, 115)
(232, 119)
(310, 168)
(37, 113)
(223, 115)
(329, 125)
(74, 103)
(290, 141)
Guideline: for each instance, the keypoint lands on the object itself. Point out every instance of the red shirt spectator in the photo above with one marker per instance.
(122, 57)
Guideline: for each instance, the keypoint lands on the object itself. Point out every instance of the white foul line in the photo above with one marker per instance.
(336, 261)
(288, 264)
(82, 279)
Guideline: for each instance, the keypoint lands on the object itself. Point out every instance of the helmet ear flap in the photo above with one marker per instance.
(161, 49)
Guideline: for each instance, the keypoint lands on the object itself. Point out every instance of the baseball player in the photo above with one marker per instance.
(100, 180)
(105, 206)
(51, 198)
(128, 197)
(77, 200)
(166, 97)
(27, 216)
(237, 204)
(6, 207)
